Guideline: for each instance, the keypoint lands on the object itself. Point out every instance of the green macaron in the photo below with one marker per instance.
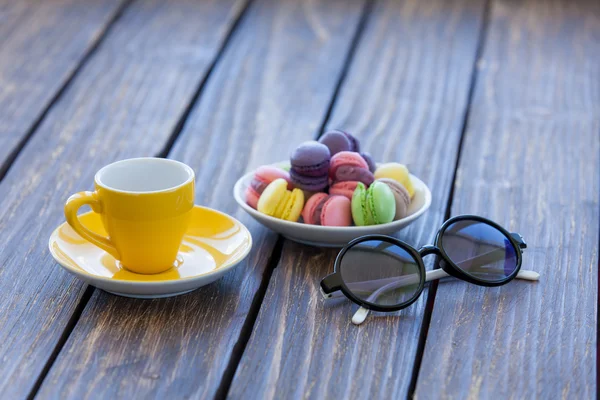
(360, 214)
(372, 206)
(381, 203)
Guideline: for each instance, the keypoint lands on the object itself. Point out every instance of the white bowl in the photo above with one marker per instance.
(332, 236)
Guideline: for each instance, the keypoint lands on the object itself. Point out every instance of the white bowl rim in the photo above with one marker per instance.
(237, 193)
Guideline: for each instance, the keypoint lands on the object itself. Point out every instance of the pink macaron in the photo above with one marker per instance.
(262, 177)
(345, 188)
(311, 214)
(347, 159)
(326, 210)
(350, 166)
(351, 173)
(337, 211)
(252, 197)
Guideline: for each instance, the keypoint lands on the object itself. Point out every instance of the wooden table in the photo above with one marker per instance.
(495, 105)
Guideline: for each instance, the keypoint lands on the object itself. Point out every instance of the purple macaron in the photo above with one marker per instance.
(370, 161)
(338, 141)
(310, 166)
(309, 183)
(310, 159)
(354, 141)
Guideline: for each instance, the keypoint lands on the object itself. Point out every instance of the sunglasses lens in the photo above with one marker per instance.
(480, 250)
(380, 272)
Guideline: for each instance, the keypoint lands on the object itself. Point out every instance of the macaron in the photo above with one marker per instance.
(252, 197)
(311, 214)
(354, 141)
(360, 213)
(381, 203)
(352, 173)
(397, 172)
(337, 211)
(326, 210)
(400, 194)
(348, 159)
(281, 203)
(338, 141)
(310, 166)
(262, 177)
(310, 159)
(309, 183)
(373, 206)
(370, 162)
(345, 188)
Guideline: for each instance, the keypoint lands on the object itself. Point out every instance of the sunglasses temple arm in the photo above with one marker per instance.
(429, 276)
(361, 314)
(493, 256)
(440, 273)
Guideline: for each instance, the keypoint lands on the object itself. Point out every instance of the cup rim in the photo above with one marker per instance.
(187, 168)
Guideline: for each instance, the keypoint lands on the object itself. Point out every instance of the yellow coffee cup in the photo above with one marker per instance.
(145, 205)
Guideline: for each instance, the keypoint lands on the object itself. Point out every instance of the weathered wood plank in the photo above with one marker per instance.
(269, 92)
(122, 104)
(405, 97)
(41, 46)
(531, 162)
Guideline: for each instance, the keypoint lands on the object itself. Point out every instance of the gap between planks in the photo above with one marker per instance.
(12, 156)
(430, 303)
(5, 167)
(87, 294)
(248, 326)
(275, 258)
(162, 154)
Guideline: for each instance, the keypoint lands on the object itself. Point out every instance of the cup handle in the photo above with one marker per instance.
(72, 206)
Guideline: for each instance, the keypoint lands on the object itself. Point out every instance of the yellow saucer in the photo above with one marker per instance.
(213, 244)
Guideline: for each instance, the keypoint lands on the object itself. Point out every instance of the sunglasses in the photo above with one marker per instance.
(382, 273)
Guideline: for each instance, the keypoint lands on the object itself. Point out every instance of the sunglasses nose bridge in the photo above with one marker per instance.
(429, 249)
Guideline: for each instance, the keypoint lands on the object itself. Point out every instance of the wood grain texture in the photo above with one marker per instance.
(122, 104)
(405, 97)
(269, 92)
(531, 162)
(41, 45)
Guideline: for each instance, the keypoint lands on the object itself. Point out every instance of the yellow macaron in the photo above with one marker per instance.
(281, 203)
(397, 172)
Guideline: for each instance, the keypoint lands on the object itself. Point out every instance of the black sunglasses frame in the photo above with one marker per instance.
(335, 282)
